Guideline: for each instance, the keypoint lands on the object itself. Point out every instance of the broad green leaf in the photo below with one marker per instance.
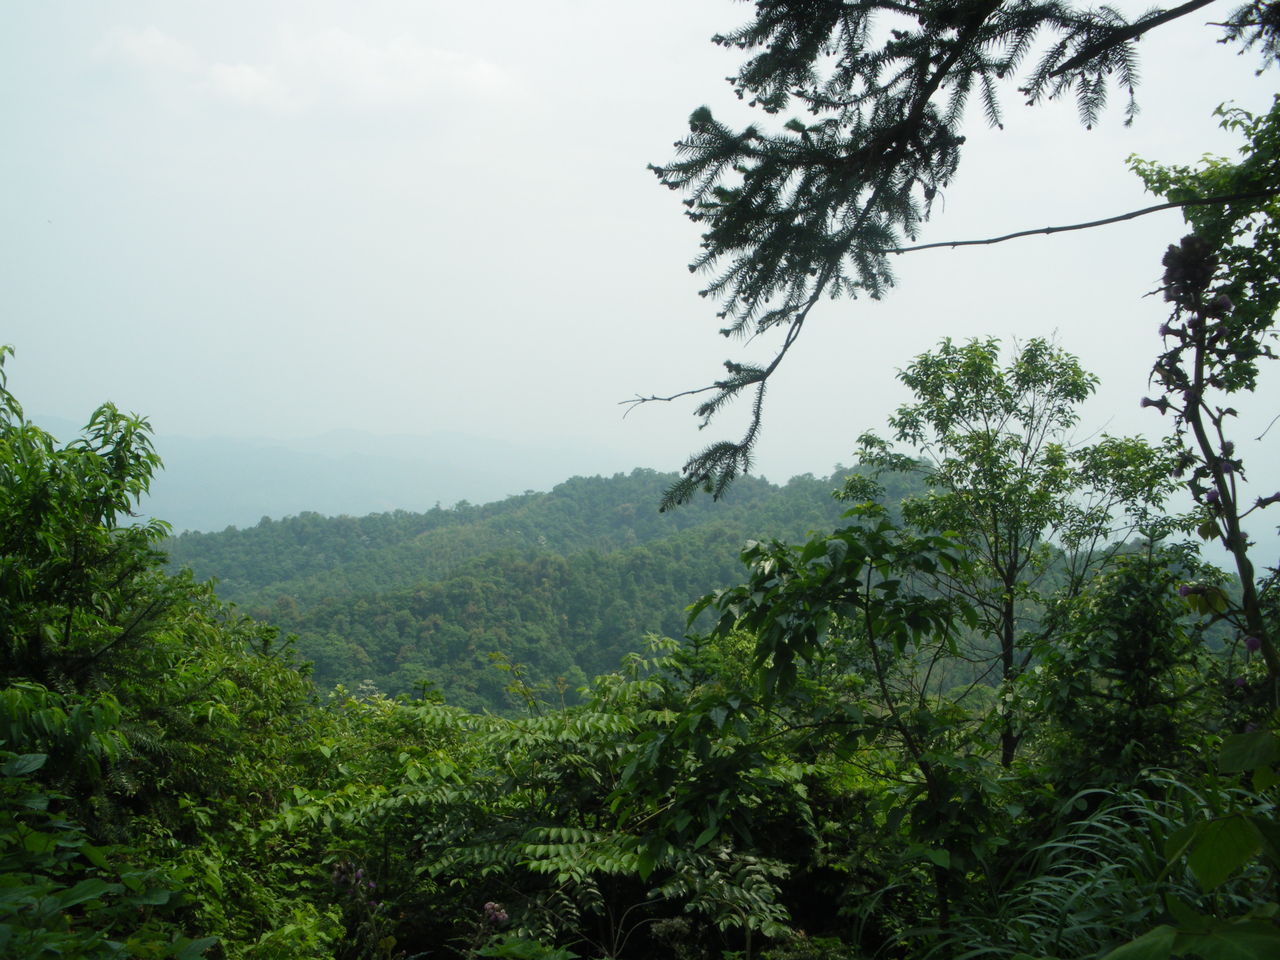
(154, 897)
(1269, 830)
(646, 860)
(1216, 600)
(706, 836)
(20, 766)
(195, 948)
(940, 857)
(95, 855)
(1187, 917)
(1180, 840)
(1249, 751)
(1222, 848)
(1250, 940)
(25, 892)
(90, 889)
(37, 841)
(1155, 944)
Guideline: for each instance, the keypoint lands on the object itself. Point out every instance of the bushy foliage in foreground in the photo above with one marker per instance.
(795, 783)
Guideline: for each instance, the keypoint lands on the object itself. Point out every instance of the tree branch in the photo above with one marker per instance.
(637, 399)
(920, 101)
(1131, 215)
(1125, 34)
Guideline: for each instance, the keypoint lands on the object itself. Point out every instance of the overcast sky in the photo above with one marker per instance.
(281, 217)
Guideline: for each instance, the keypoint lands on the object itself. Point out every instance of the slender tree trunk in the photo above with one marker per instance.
(1233, 537)
(1008, 668)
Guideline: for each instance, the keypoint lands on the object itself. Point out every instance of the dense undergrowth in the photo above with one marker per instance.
(793, 783)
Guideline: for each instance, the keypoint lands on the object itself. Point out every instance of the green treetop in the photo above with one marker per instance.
(1003, 477)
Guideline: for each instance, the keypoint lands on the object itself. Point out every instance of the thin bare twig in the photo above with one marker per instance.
(1131, 215)
(1269, 426)
(637, 399)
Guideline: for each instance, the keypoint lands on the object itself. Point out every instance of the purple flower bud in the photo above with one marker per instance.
(1221, 305)
(1185, 590)
(1165, 330)
(359, 874)
(1228, 448)
(1241, 682)
(1252, 644)
(1162, 404)
(1212, 496)
(1267, 501)
(370, 884)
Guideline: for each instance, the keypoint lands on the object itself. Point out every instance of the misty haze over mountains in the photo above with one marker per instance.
(210, 483)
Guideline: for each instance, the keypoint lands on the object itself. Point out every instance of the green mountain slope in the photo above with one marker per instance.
(561, 584)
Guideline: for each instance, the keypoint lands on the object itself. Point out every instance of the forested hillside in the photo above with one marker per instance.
(310, 556)
(559, 584)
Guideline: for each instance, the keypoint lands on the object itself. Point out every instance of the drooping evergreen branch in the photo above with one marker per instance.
(720, 464)
(916, 146)
(1126, 34)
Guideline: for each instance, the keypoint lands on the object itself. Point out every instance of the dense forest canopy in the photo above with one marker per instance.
(983, 719)
(562, 584)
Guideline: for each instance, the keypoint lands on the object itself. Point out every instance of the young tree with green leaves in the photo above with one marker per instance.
(77, 577)
(144, 726)
(1130, 683)
(868, 585)
(1035, 513)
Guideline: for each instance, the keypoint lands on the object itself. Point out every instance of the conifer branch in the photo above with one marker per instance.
(1126, 34)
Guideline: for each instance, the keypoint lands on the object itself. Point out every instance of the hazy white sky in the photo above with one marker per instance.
(280, 217)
